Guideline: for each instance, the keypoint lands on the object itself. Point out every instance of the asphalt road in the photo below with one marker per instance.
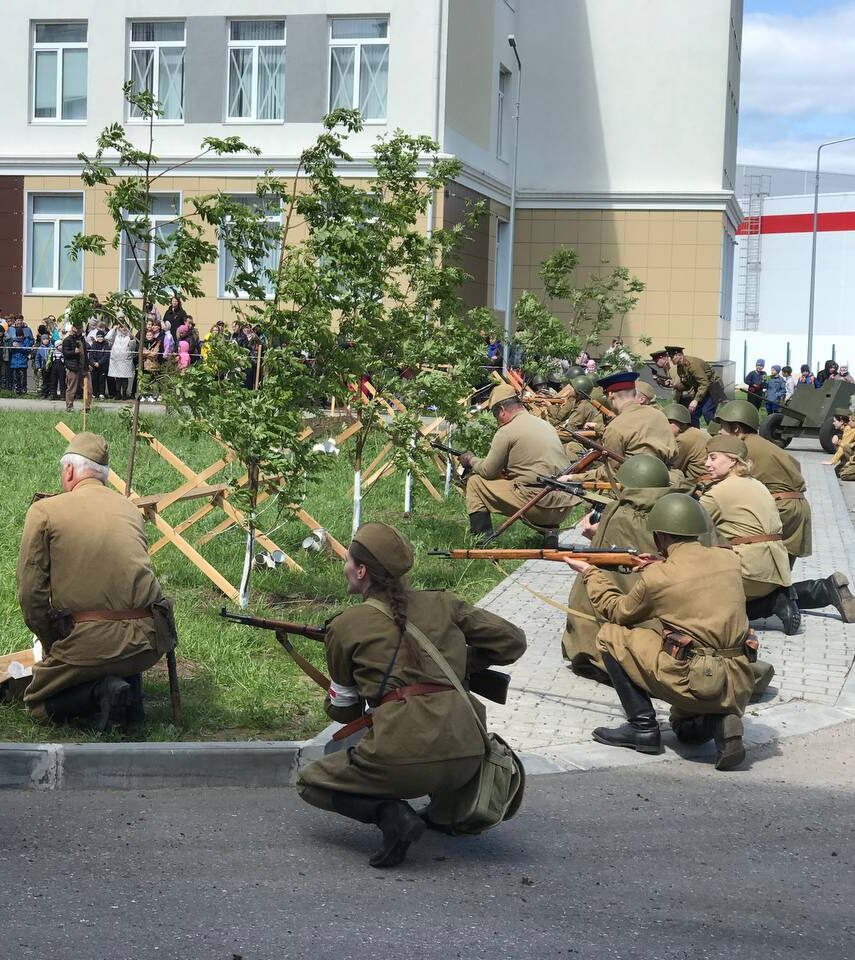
(672, 861)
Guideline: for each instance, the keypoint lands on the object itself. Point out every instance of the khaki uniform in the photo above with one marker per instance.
(426, 744)
(695, 590)
(85, 550)
(623, 524)
(580, 413)
(522, 450)
(691, 380)
(743, 507)
(844, 457)
(780, 474)
(692, 452)
(637, 429)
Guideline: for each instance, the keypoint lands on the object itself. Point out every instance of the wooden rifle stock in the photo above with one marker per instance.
(595, 445)
(610, 557)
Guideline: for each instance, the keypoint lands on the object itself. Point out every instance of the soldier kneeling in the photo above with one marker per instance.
(699, 662)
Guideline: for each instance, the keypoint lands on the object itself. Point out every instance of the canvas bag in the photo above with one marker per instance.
(495, 793)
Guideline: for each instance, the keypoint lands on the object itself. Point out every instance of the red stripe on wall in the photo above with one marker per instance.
(799, 223)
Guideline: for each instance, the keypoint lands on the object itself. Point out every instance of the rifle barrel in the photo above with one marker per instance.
(601, 557)
(284, 626)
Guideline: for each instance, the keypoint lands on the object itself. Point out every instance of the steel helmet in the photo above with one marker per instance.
(739, 411)
(643, 470)
(679, 514)
(582, 385)
(574, 370)
(537, 381)
(678, 413)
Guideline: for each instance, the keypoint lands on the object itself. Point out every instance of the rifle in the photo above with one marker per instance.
(462, 472)
(579, 490)
(594, 445)
(487, 683)
(612, 557)
(658, 376)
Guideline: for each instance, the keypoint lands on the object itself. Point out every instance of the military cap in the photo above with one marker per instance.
(643, 470)
(678, 413)
(646, 390)
(677, 513)
(90, 445)
(391, 550)
(739, 411)
(658, 353)
(672, 350)
(622, 380)
(501, 393)
(732, 446)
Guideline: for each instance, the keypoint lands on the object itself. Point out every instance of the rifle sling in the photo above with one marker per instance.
(308, 668)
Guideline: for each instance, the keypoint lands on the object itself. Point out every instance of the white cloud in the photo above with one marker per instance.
(797, 154)
(796, 66)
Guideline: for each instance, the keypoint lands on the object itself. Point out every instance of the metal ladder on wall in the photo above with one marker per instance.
(750, 263)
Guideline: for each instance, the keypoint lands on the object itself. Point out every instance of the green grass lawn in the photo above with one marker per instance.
(237, 683)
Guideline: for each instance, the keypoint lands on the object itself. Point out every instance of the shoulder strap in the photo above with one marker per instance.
(430, 648)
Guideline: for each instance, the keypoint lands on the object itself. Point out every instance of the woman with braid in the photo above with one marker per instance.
(422, 738)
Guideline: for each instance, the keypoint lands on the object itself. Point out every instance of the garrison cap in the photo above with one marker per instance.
(659, 353)
(501, 393)
(732, 446)
(90, 445)
(672, 350)
(646, 390)
(622, 380)
(391, 550)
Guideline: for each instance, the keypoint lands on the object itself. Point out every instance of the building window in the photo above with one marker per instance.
(59, 71)
(157, 65)
(503, 262)
(230, 268)
(359, 65)
(256, 70)
(138, 255)
(53, 219)
(502, 111)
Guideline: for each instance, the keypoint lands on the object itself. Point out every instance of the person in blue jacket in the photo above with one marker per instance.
(756, 380)
(19, 338)
(776, 390)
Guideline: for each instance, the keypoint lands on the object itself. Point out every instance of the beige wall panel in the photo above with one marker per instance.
(470, 76)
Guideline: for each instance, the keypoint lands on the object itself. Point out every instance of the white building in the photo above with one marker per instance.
(627, 133)
(774, 281)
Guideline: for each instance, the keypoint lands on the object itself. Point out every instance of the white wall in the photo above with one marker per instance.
(413, 54)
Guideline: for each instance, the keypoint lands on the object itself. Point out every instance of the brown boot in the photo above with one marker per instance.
(728, 741)
(838, 588)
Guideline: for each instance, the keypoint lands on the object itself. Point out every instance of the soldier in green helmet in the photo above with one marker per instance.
(782, 477)
(691, 441)
(679, 633)
(644, 480)
(578, 413)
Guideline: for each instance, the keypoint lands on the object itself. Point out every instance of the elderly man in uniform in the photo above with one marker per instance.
(696, 658)
(524, 447)
(691, 441)
(782, 477)
(88, 593)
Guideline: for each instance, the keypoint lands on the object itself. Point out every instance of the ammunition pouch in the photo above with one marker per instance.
(61, 624)
(677, 645)
(166, 636)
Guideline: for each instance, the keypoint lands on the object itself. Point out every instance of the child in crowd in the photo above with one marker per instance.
(806, 376)
(41, 361)
(776, 390)
(789, 380)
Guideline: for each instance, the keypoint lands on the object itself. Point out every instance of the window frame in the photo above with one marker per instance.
(155, 46)
(222, 293)
(29, 219)
(58, 48)
(502, 105)
(357, 44)
(152, 249)
(254, 45)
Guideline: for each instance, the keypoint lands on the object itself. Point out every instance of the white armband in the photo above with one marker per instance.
(341, 695)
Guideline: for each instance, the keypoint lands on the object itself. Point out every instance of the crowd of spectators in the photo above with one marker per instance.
(108, 350)
(775, 388)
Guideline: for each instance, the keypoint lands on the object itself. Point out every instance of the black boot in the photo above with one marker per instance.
(833, 591)
(728, 741)
(73, 702)
(550, 538)
(641, 732)
(481, 524)
(136, 712)
(397, 820)
(780, 603)
(113, 698)
(695, 729)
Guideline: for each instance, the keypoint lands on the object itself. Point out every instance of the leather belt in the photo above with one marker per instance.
(759, 538)
(788, 495)
(85, 616)
(399, 693)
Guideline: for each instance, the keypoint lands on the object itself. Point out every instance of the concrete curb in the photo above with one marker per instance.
(271, 763)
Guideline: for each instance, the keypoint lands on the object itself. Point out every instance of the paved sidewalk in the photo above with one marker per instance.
(550, 712)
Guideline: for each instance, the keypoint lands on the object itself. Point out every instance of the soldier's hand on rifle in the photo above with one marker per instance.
(465, 458)
(588, 529)
(693, 406)
(590, 425)
(580, 566)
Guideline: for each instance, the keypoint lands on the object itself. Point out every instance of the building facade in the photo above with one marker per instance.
(627, 142)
